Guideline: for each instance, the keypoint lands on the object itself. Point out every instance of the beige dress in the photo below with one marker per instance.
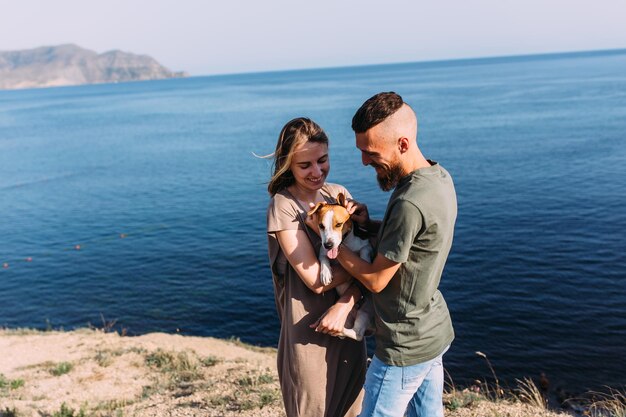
(320, 375)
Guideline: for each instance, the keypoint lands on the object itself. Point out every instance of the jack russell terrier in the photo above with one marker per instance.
(335, 226)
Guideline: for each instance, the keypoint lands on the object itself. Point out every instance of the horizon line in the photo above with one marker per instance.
(557, 54)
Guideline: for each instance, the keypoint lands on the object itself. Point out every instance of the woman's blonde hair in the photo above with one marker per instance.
(294, 134)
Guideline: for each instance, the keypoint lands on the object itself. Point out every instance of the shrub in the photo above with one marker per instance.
(61, 368)
(17, 383)
(210, 361)
(66, 411)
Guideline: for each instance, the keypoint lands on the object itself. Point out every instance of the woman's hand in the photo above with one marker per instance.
(335, 318)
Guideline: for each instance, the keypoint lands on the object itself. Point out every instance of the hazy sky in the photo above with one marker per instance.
(216, 37)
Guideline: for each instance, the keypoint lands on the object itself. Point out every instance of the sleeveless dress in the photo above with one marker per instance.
(320, 375)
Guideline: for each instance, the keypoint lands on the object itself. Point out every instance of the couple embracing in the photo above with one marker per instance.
(322, 375)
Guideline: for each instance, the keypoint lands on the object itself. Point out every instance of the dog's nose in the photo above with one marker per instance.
(329, 244)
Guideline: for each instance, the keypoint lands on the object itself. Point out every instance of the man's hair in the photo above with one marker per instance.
(375, 110)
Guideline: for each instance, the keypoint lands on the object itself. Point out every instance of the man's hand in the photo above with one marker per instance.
(358, 212)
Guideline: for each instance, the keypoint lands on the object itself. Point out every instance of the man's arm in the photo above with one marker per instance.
(374, 276)
(373, 226)
(404, 221)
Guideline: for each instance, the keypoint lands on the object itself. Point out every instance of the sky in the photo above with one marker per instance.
(205, 37)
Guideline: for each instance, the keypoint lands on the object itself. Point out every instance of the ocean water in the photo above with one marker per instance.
(144, 204)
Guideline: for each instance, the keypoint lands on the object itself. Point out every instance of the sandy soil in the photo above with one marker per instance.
(104, 374)
(151, 375)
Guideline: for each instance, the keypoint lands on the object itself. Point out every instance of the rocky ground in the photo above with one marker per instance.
(92, 373)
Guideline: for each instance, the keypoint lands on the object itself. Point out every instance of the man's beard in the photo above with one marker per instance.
(390, 176)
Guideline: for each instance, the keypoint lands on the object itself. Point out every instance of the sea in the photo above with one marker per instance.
(141, 207)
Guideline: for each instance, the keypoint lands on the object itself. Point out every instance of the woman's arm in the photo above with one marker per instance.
(300, 254)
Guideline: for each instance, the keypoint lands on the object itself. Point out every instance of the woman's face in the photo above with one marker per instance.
(310, 165)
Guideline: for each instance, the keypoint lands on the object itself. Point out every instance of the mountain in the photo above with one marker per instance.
(51, 66)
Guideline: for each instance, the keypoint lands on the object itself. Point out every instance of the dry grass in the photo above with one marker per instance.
(262, 349)
(473, 402)
(97, 373)
(210, 383)
(491, 399)
(171, 375)
(611, 403)
(528, 392)
(495, 392)
(61, 368)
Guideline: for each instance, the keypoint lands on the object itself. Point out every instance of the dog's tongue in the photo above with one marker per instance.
(332, 253)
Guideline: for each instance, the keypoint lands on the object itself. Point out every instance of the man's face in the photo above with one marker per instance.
(382, 154)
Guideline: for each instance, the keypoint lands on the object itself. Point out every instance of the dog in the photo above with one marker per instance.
(335, 227)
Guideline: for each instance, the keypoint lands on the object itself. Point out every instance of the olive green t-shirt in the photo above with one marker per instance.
(412, 319)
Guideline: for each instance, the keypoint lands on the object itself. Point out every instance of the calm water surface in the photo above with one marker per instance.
(157, 183)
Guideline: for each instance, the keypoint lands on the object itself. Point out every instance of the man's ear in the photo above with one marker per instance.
(403, 144)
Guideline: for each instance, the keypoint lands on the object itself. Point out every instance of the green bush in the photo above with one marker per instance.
(66, 411)
(61, 368)
(17, 383)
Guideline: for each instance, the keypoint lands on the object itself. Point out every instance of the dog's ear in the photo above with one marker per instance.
(341, 199)
(314, 208)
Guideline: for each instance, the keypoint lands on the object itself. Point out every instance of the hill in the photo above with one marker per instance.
(51, 66)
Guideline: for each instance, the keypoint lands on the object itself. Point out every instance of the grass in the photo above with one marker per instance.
(255, 391)
(255, 380)
(61, 368)
(236, 341)
(179, 369)
(10, 384)
(19, 331)
(268, 397)
(528, 393)
(524, 401)
(66, 411)
(220, 400)
(252, 390)
(611, 403)
(494, 392)
(180, 366)
(180, 378)
(457, 399)
(112, 407)
(108, 326)
(235, 385)
(210, 361)
(16, 384)
(265, 378)
(106, 357)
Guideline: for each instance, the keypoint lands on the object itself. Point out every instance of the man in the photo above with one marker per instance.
(413, 326)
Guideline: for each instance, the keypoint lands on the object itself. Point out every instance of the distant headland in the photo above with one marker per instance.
(52, 66)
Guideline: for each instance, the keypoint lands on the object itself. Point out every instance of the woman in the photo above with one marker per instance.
(320, 375)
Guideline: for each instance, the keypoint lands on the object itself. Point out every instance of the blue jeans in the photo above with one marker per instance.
(392, 391)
